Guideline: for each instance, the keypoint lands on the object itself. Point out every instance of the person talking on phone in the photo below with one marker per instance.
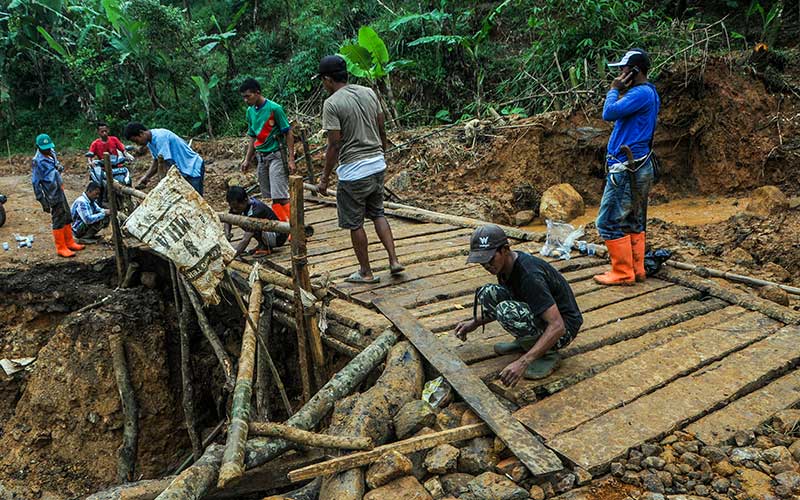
(632, 104)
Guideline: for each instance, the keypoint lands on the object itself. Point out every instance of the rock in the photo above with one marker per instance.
(782, 491)
(651, 450)
(794, 202)
(631, 478)
(786, 421)
(561, 203)
(794, 449)
(672, 438)
(720, 485)
(740, 256)
(582, 476)
(668, 456)
(412, 417)
(548, 490)
(777, 271)
(724, 468)
(775, 294)
(469, 417)
(565, 482)
(434, 487)
(617, 469)
(447, 419)
(766, 201)
(776, 454)
(665, 477)
(763, 443)
(405, 488)
(442, 459)
(764, 466)
(652, 496)
(536, 492)
(692, 459)
(755, 483)
(513, 468)
(491, 486)
(714, 454)
(149, 279)
(477, 456)
(390, 466)
(657, 463)
(418, 458)
(701, 490)
(790, 480)
(685, 468)
(651, 482)
(456, 483)
(744, 438)
(742, 455)
(523, 217)
(682, 447)
(401, 181)
(785, 466)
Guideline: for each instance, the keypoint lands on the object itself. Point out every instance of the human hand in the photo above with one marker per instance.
(464, 327)
(322, 187)
(623, 81)
(292, 167)
(107, 211)
(243, 166)
(513, 372)
(142, 183)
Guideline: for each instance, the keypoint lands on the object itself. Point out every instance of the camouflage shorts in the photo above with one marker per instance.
(514, 316)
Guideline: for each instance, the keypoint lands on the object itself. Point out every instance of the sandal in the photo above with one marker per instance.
(356, 277)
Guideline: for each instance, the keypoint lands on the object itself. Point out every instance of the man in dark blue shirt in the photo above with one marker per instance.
(240, 204)
(531, 300)
(632, 104)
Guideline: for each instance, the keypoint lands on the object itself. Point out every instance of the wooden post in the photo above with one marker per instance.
(233, 458)
(162, 167)
(126, 461)
(116, 233)
(306, 322)
(307, 155)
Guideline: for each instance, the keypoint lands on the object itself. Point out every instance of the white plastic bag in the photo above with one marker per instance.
(560, 237)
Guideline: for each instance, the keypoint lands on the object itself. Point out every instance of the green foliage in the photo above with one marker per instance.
(770, 20)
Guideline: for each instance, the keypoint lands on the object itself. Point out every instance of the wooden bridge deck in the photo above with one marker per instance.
(649, 359)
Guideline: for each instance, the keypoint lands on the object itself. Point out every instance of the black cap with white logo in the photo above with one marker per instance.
(634, 57)
(485, 242)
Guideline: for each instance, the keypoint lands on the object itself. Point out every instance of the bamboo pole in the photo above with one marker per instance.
(247, 223)
(182, 306)
(274, 278)
(126, 461)
(409, 212)
(210, 335)
(406, 446)
(307, 438)
(337, 345)
(119, 251)
(198, 479)
(261, 385)
(705, 272)
(306, 322)
(233, 457)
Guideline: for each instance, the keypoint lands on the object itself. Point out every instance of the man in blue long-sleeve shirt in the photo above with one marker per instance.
(89, 218)
(49, 190)
(632, 104)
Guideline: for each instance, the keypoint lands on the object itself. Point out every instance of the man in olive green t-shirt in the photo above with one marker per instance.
(353, 119)
(266, 126)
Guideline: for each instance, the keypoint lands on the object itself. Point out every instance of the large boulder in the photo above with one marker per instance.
(766, 201)
(561, 203)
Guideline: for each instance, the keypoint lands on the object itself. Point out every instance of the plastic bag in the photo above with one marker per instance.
(654, 260)
(437, 392)
(560, 237)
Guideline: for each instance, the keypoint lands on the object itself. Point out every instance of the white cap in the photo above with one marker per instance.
(634, 57)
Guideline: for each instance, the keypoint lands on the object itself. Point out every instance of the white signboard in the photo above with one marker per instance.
(175, 221)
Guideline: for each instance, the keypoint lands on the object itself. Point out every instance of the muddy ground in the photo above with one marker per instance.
(723, 131)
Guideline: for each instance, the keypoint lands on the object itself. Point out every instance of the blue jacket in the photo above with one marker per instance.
(634, 115)
(45, 178)
(85, 211)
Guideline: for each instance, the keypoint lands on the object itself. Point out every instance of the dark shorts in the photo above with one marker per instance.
(197, 182)
(358, 199)
(59, 212)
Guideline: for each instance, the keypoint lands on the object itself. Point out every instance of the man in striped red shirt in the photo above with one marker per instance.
(266, 123)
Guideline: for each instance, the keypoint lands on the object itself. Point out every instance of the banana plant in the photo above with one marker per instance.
(204, 92)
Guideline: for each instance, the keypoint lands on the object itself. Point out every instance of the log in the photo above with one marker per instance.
(420, 214)
(140, 490)
(274, 278)
(261, 387)
(705, 272)
(410, 445)
(198, 479)
(210, 335)
(307, 438)
(120, 258)
(261, 450)
(332, 342)
(126, 460)
(308, 492)
(233, 458)
(753, 303)
(187, 394)
(372, 412)
(249, 224)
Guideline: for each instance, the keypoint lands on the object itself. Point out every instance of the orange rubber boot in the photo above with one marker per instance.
(69, 241)
(621, 255)
(280, 211)
(287, 211)
(637, 249)
(61, 245)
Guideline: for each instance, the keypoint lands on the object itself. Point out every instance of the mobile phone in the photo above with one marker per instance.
(635, 70)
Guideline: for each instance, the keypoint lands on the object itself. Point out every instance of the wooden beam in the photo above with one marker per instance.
(120, 257)
(531, 452)
(307, 438)
(406, 446)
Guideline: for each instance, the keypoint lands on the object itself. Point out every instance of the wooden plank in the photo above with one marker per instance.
(614, 294)
(381, 263)
(428, 290)
(586, 286)
(749, 411)
(652, 301)
(642, 374)
(527, 448)
(581, 366)
(405, 447)
(342, 246)
(595, 444)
